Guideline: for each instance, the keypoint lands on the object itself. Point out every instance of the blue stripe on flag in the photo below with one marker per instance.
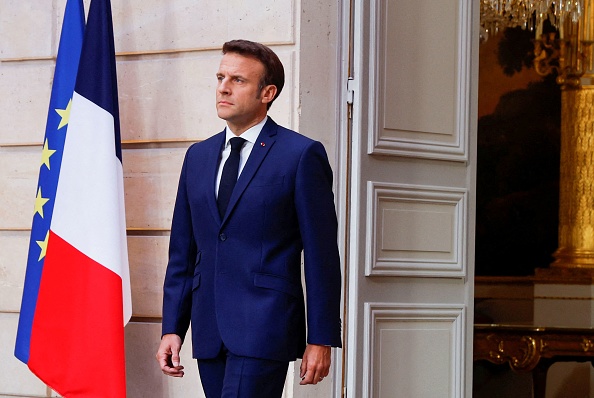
(97, 78)
(55, 134)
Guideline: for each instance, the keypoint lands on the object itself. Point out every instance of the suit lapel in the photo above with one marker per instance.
(265, 140)
(214, 158)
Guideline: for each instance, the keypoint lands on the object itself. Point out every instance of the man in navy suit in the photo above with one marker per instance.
(236, 244)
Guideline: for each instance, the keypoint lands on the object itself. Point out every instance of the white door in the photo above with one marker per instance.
(408, 173)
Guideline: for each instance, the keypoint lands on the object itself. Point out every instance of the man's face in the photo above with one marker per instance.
(239, 100)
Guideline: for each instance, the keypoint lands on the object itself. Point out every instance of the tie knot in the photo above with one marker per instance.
(236, 143)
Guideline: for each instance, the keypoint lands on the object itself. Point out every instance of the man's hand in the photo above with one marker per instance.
(315, 364)
(168, 355)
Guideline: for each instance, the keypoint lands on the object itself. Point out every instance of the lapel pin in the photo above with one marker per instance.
(263, 144)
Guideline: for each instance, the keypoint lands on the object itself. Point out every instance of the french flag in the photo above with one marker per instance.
(76, 299)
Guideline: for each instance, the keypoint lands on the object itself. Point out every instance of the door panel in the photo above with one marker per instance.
(413, 343)
(411, 190)
(415, 230)
(419, 78)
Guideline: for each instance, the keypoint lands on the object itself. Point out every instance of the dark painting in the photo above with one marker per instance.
(518, 159)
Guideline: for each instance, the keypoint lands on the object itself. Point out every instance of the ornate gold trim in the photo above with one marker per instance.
(522, 354)
(523, 347)
(576, 186)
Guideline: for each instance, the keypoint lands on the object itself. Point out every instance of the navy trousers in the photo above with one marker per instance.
(232, 376)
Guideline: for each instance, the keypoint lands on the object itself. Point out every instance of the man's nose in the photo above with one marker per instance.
(223, 86)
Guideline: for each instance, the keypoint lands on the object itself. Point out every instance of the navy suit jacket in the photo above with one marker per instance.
(238, 279)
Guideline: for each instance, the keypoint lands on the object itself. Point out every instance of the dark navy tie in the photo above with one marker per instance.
(229, 176)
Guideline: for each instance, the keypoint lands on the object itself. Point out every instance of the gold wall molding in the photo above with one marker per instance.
(504, 280)
(512, 298)
(564, 298)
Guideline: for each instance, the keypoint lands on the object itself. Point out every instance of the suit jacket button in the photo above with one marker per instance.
(223, 237)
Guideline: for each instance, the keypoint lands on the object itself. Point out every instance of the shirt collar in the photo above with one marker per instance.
(250, 135)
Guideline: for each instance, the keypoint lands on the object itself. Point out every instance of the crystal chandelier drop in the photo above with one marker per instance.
(497, 15)
(567, 50)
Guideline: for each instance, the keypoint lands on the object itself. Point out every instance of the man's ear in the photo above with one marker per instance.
(268, 93)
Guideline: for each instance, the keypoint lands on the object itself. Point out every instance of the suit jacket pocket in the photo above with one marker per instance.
(196, 281)
(265, 181)
(278, 283)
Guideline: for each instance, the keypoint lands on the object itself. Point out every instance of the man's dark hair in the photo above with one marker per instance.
(274, 72)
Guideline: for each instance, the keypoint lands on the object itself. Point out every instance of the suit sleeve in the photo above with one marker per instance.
(316, 213)
(177, 288)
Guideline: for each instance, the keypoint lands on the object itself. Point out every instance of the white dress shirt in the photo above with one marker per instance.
(250, 136)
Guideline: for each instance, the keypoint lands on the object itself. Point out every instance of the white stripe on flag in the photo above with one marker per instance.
(89, 210)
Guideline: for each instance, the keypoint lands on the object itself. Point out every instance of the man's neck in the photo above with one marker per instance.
(240, 129)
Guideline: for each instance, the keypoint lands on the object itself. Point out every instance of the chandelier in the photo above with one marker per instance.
(568, 50)
(497, 15)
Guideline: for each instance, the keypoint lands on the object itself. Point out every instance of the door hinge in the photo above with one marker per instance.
(350, 96)
(350, 90)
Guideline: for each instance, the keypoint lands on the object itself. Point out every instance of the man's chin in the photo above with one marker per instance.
(222, 114)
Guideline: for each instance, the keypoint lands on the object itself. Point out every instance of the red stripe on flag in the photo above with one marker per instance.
(77, 340)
